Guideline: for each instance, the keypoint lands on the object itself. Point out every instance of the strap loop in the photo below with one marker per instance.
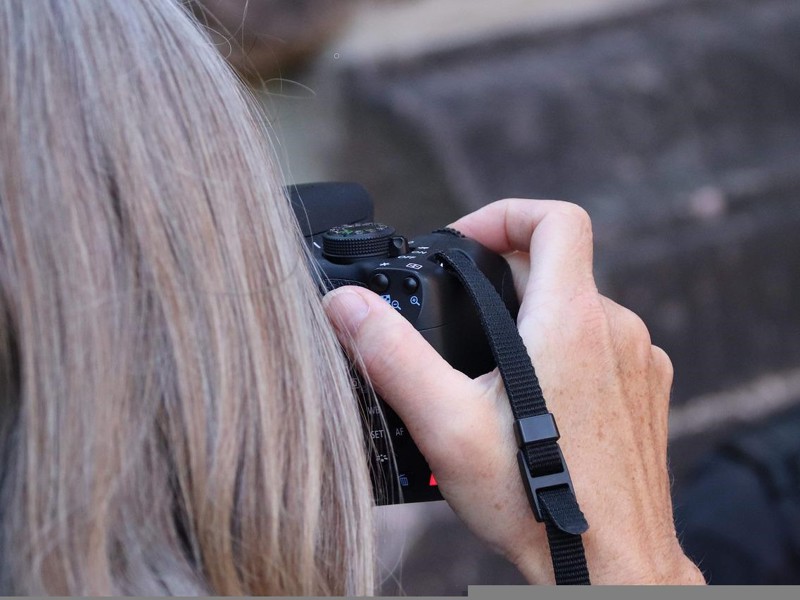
(558, 504)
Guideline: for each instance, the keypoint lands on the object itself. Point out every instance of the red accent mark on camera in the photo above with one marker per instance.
(432, 482)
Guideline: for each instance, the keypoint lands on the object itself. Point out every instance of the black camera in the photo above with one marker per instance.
(351, 249)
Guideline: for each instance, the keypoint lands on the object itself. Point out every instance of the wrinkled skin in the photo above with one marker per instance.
(604, 381)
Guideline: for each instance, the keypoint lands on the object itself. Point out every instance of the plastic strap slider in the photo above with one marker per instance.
(538, 428)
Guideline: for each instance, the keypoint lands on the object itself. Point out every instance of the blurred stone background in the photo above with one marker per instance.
(675, 123)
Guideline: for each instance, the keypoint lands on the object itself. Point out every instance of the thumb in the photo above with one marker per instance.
(421, 387)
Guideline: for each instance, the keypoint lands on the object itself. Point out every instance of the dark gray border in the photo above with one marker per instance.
(518, 592)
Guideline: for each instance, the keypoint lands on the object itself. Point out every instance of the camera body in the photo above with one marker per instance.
(351, 249)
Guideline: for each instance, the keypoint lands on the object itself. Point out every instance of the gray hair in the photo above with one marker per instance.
(175, 412)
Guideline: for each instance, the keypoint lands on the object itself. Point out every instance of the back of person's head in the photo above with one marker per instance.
(176, 415)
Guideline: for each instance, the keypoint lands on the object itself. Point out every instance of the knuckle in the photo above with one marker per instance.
(662, 364)
(594, 317)
(629, 323)
(636, 328)
(579, 216)
(632, 334)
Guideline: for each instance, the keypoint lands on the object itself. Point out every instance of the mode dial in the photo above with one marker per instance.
(361, 240)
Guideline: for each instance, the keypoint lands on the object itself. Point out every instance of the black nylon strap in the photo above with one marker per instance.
(556, 506)
(566, 549)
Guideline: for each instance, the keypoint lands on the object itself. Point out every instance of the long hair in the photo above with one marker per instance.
(175, 413)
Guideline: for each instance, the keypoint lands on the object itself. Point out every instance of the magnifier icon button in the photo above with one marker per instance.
(414, 300)
(410, 284)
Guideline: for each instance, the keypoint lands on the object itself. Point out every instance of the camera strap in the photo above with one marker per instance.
(542, 466)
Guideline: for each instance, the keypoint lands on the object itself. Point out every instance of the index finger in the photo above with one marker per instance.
(558, 236)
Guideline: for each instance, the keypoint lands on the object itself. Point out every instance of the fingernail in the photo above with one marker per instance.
(346, 309)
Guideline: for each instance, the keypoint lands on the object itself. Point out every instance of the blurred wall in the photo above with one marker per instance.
(263, 39)
(675, 124)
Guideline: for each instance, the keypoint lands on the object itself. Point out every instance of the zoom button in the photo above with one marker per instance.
(410, 284)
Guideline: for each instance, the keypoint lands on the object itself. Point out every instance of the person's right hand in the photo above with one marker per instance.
(607, 386)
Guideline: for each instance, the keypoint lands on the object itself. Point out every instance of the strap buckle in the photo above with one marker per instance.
(539, 428)
(533, 485)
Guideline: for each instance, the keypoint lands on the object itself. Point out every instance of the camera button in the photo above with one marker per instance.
(379, 283)
(410, 284)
